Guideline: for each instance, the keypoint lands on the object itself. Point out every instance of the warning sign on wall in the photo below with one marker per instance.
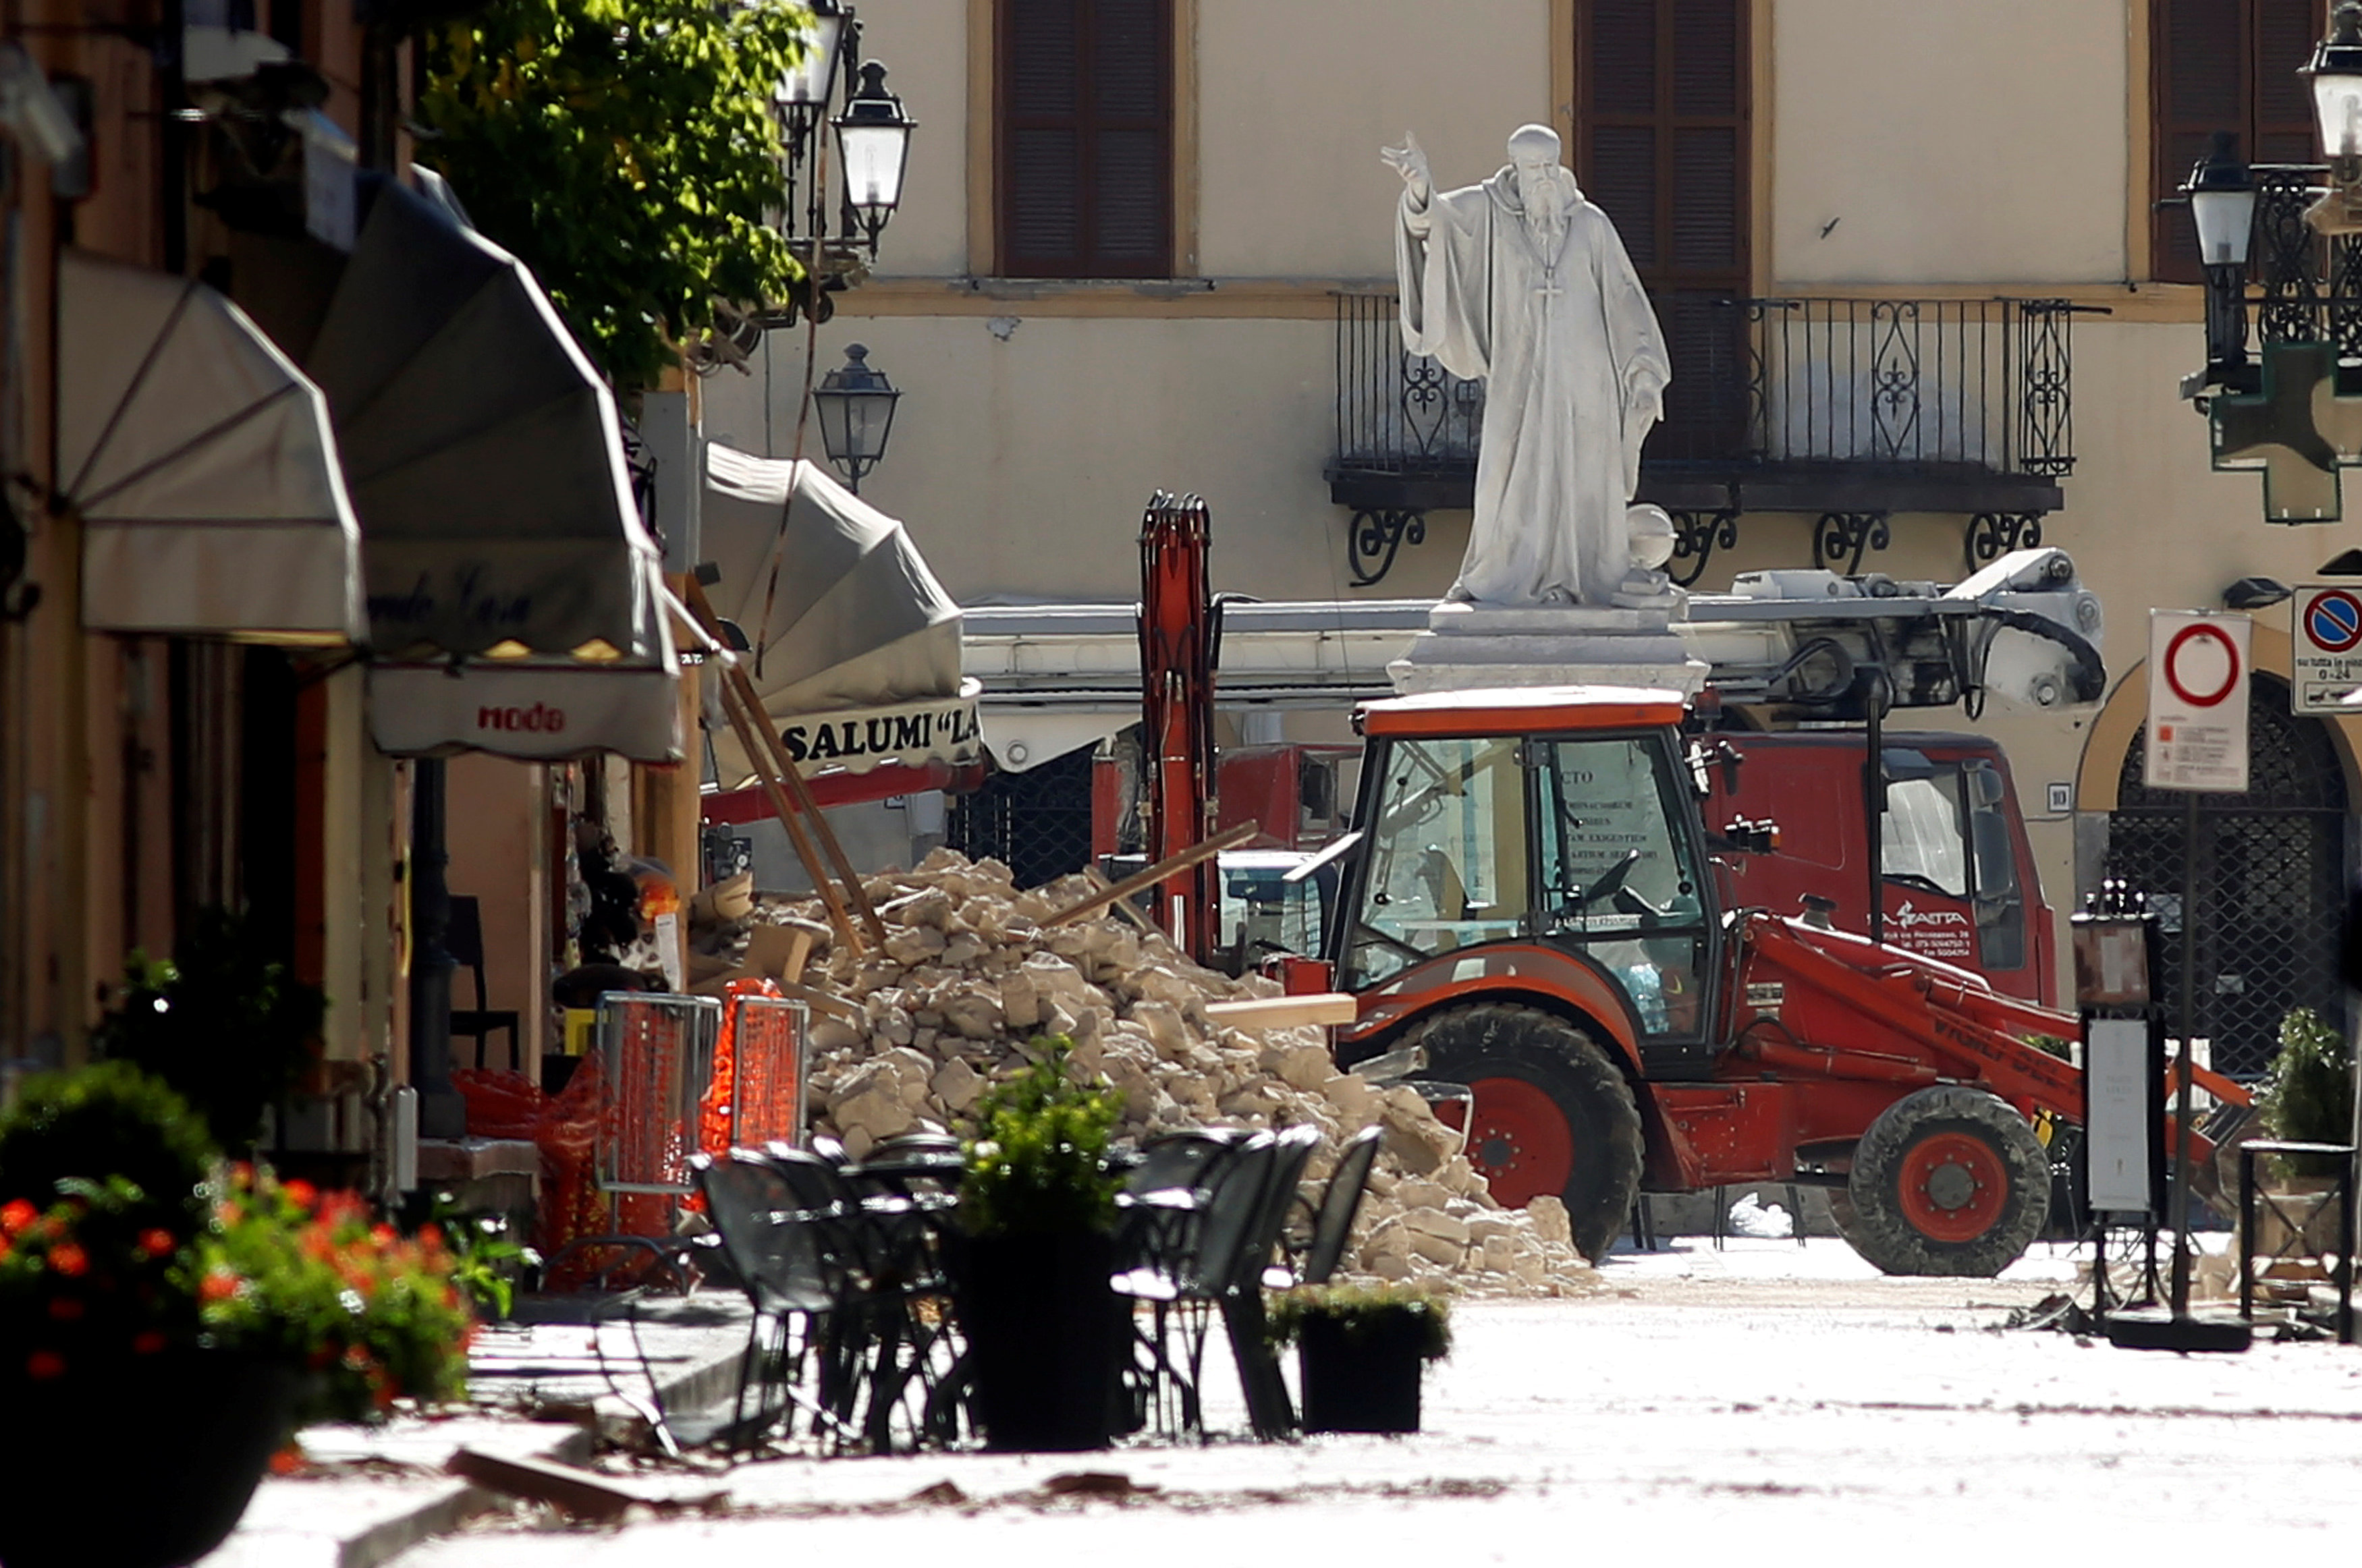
(2197, 701)
(2326, 661)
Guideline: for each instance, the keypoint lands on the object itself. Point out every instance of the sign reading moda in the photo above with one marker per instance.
(2197, 702)
(2326, 663)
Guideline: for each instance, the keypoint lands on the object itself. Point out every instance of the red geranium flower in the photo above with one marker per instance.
(157, 1243)
(220, 1285)
(300, 1192)
(65, 1309)
(16, 1214)
(42, 1366)
(70, 1260)
(148, 1342)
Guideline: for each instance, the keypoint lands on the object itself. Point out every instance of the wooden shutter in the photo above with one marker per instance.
(1662, 146)
(2223, 65)
(1086, 140)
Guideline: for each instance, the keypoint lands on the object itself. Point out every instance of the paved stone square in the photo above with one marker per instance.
(1782, 1402)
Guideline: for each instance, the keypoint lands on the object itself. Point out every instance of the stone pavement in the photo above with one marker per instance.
(1778, 1402)
(539, 1388)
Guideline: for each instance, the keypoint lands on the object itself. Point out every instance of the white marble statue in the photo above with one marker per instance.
(1521, 281)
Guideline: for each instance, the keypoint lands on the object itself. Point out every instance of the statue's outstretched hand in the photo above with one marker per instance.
(1409, 160)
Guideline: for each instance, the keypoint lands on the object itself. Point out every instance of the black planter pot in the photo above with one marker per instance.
(1364, 1381)
(145, 1463)
(1045, 1337)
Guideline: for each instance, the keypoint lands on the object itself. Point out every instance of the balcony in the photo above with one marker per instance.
(1847, 410)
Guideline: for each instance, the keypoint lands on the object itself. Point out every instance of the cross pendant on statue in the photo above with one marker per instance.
(1549, 287)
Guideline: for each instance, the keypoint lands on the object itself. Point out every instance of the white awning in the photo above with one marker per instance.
(913, 734)
(536, 710)
(850, 635)
(200, 462)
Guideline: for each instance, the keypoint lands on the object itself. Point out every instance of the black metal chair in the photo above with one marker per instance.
(463, 939)
(772, 1245)
(1332, 1225)
(881, 1342)
(1268, 1408)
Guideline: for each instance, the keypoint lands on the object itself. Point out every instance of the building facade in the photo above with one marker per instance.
(1922, 302)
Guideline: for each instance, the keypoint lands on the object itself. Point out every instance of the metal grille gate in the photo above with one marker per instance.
(1037, 822)
(2271, 875)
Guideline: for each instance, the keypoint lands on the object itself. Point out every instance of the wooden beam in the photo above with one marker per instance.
(1229, 838)
(1285, 1012)
(784, 809)
(801, 793)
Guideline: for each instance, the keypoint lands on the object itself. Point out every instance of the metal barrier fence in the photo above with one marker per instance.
(766, 1039)
(657, 1054)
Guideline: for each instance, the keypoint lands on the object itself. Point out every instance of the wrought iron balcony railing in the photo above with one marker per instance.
(2302, 287)
(1848, 408)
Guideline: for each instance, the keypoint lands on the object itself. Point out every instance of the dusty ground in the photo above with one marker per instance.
(1768, 1402)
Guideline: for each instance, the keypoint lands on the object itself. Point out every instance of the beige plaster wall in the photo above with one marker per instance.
(494, 839)
(1297, 96)
(1021, 464)
(1958, 141)
(923, 45)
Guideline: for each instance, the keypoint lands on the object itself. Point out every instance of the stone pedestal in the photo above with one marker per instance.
(1469, 647)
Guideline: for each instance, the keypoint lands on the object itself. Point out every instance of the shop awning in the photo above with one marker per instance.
(201, 463)
(511, 584)
(854, 647)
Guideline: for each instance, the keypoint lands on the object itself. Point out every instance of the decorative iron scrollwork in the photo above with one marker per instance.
(1993, 534)
(1696, 536)
(1845, 536)
(1379, 533)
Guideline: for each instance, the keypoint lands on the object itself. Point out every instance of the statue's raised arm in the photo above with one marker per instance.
(1409, 160)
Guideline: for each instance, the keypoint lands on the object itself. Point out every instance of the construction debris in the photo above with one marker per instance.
(968, 973)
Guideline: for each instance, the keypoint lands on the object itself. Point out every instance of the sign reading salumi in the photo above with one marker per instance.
(943, 729)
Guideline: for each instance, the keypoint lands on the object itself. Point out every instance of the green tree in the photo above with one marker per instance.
(626, 150)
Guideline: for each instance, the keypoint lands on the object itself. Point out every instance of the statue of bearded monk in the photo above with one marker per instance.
(1522, 282)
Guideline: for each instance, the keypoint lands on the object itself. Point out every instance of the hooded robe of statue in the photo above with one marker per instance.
(1575, 369)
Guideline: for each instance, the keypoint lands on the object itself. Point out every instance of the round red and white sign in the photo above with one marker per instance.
(2202, 665)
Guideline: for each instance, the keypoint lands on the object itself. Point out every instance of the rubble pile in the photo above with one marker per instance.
(968, 974)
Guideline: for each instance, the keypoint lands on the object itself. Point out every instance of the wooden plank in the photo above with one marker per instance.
(824, 1001)
(1286, 1012)
(801, 793)
(1229, 838)
(784, 809)
(577, 1491)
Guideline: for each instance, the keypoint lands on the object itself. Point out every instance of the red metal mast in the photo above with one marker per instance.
(1179, 633)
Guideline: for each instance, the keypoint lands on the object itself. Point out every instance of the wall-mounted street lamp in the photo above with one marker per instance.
(873, 137)
(2334, 74)
(2221, 193)
(855, 404)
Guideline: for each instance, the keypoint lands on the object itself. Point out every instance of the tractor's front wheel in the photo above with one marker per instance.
(1947, 1181)
(1552, 1115)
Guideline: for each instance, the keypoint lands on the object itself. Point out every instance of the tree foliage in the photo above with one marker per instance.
(627, 151)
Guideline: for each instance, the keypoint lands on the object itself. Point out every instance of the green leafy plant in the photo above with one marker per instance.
(223, 1022)
(1365, 1310)
(626, 150)
(1037, 1163)
(2052, 1045)
(109, 1123)
(2308, 1097)
(121, 1239)
(313, 1279)
(486, 1259)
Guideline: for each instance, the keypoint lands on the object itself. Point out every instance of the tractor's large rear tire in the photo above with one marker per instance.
(1947, 1181)
(1552, 1115)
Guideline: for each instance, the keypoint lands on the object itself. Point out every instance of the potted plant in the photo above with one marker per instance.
(2307, 1098)
(1046, 1333)
(166, 1322)
(1361, 1351)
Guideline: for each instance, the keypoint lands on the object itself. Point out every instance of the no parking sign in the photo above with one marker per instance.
(2197, 701)
(2326, 663)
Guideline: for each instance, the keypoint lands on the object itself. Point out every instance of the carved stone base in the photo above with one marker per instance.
(1469, 647)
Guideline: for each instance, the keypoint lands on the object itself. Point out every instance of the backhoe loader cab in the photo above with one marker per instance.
(1533, 897)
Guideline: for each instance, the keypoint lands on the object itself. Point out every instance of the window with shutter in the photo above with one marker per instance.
(2223, 65)
(1085, 138)
(1662, 146)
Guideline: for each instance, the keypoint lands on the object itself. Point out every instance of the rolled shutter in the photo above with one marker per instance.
(2217, 65)
(1086, 181)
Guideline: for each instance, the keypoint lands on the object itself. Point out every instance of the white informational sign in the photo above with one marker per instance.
(2117, 1133)
(2326, 637)
(2197, 701)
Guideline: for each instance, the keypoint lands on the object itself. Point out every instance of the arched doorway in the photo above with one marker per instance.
(2271, 873)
